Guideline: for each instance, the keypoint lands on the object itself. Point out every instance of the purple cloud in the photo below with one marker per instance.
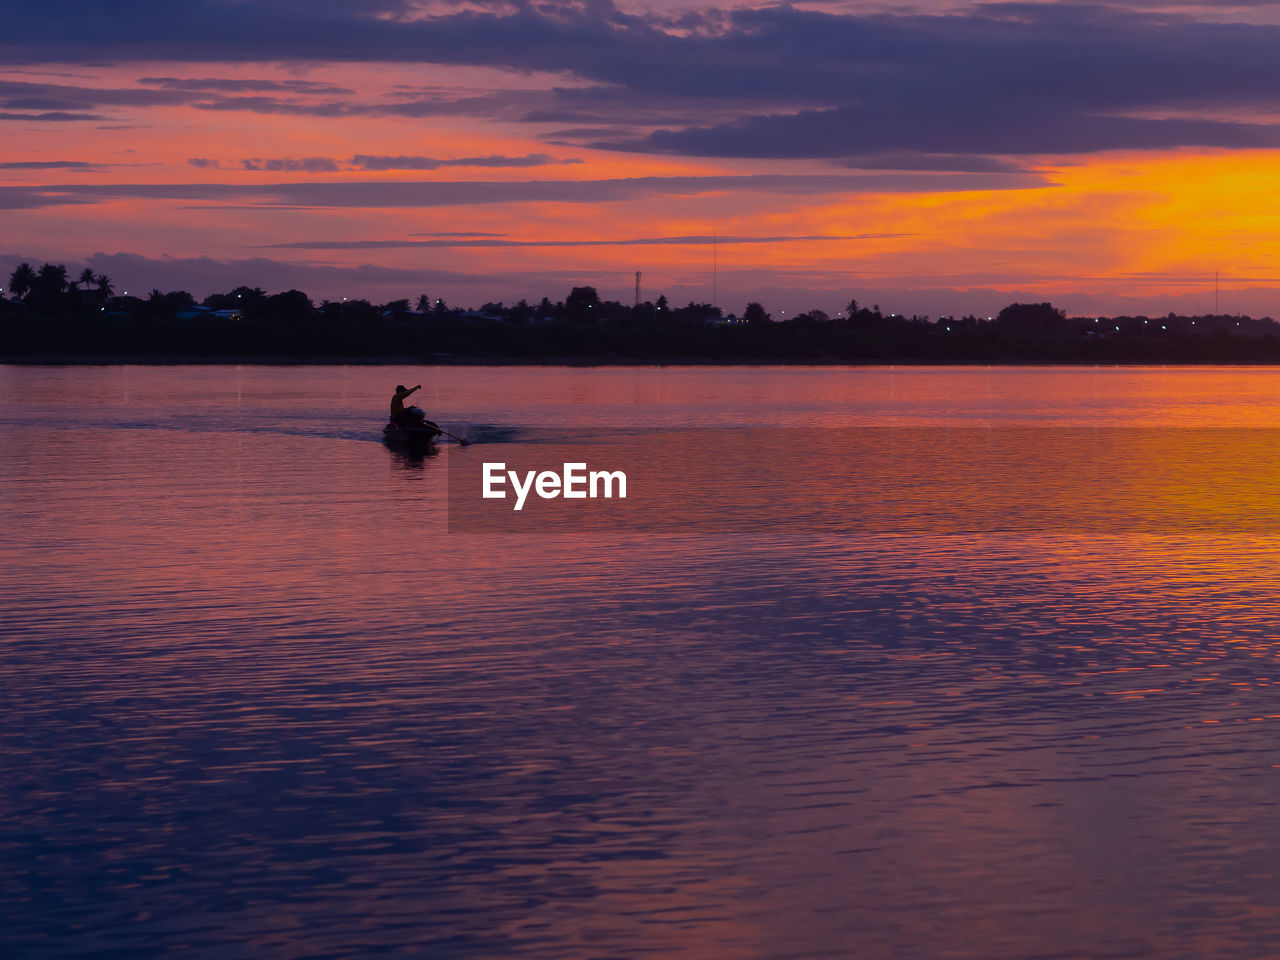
(778, 81)
(292, 164)
(908, 160)
(683, 241)
(433, 163)
(206, 84)
(419, 193)
(383, 163)
(56, 116)
(50, 165)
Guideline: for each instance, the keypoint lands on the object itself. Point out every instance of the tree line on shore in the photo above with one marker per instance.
(51, 314)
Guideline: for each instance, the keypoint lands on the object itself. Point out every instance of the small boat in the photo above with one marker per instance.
(418, 437)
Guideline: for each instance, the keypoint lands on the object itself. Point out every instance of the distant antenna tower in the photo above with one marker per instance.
(637, 288)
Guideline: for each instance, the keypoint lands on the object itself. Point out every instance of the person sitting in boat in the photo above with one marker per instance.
(399, 415)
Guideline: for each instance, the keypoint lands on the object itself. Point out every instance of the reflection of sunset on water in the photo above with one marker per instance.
(302, 707)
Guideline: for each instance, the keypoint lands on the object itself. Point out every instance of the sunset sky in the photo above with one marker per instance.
(928, 157)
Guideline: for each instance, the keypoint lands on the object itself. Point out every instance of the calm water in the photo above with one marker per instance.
(259, 702)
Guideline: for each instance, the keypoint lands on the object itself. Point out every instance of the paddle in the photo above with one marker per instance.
(436, 426)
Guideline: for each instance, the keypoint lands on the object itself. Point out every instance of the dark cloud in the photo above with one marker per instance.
(284, 107)
(308, 98)
(40, 103)
(79, 96)
(837, 132)
(507, 104)
(49, 165)
(511, 105)
(434, 163)
(62, 102)
(906, 160)
(777, 81)
(576, 136)
(1200, 6)
(25, 198)
(382, 163)
(685, 241)
(418, 193)
(52, 117)
(307, 164)
(206, 84)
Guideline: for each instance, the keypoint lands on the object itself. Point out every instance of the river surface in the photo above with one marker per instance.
(260, 699)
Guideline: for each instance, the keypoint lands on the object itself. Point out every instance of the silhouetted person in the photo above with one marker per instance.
(399, 415)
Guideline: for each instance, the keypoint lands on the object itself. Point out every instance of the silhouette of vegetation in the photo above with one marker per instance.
(22, 280)
(49, 316)
(580, 303)
(1035, 319)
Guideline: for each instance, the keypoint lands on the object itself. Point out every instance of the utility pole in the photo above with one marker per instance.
(637, 288)
(1215, 293)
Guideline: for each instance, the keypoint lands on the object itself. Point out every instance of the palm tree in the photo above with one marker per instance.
(104, 285)
(22, 280)
(86, 278)
(424, 304)
(52, 278)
